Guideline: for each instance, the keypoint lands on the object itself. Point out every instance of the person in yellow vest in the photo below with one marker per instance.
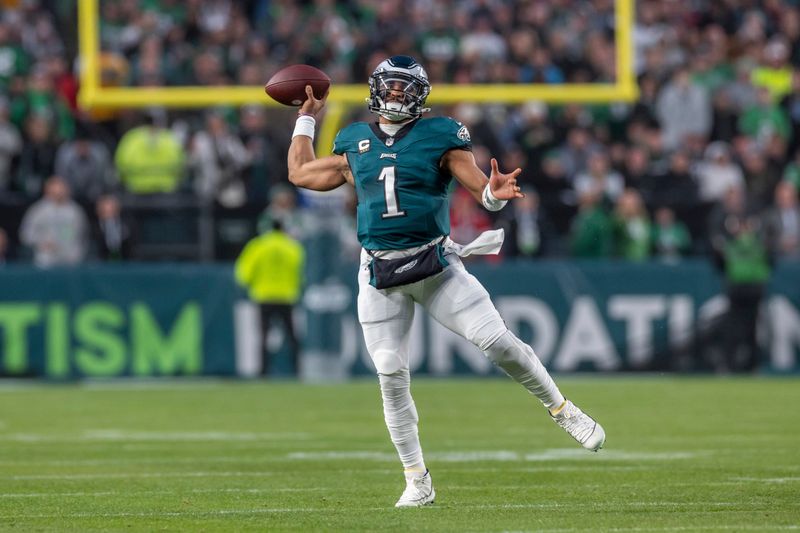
(150, 160)
(271, 268)
(775, 72)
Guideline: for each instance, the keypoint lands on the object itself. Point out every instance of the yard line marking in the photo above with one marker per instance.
(471, 456)
(682, 528)
(265, 490)
(143, 461)
(153, 492)
(542, 484)
(121, 435)
(768, 479)
(57, 494)
(137, 475)
(344, 455)
(608, 455)
(544, 506)
(678, 528)
(171, 436)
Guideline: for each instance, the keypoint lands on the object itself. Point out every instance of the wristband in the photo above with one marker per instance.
(489, 200)
(304, 126)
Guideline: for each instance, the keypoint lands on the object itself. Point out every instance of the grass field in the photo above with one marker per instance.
(683, 454)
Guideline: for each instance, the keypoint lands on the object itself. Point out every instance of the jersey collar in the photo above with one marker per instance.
(402, 132)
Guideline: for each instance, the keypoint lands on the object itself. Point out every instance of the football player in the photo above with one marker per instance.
(401, 167)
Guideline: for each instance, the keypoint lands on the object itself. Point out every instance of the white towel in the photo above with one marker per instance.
(487, 243)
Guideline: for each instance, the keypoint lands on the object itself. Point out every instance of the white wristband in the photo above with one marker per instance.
(490, 202)
(304, 126)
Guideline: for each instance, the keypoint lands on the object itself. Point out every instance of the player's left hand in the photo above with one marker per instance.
(504, 186)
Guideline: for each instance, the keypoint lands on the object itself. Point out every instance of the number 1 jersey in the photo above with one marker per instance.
(403, 197)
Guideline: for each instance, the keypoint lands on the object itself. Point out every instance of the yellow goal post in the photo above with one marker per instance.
(341, 97)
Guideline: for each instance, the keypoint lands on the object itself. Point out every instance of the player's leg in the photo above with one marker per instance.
(458, 301)
(285, 313)
(386, 318)
(266, 314)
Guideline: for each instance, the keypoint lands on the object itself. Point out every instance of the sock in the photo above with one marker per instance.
(518, 361)
(558, 409)
(401, 418)
(415, 471)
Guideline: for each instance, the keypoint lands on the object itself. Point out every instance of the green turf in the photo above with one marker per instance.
(683, 454)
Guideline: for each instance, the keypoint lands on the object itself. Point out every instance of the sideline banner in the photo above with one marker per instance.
(180, 319)
(127, 320)
(578, 316)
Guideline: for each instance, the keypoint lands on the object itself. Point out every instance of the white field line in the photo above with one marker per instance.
(155, 492)
(540, 485)
(570, 454)
(777, 480)
(268, 490)
(136, 475)
(674, 528)
(602, 506)
(156, 475)
(144, 461)
(121, 435)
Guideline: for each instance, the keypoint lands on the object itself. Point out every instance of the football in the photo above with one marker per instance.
(288, 85)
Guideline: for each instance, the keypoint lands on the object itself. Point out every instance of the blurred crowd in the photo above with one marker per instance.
(706, 159)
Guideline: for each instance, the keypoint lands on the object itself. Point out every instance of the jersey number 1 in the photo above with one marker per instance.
(390, 194)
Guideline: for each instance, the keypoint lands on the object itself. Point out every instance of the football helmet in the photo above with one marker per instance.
(398, 88)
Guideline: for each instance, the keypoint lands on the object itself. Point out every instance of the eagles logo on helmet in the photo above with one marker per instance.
(398, 88)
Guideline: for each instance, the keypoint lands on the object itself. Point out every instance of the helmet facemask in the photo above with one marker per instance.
(398, 93)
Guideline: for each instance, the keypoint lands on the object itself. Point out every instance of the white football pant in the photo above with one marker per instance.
(457, 300)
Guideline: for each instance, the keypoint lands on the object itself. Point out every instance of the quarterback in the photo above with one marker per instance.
(401, 167)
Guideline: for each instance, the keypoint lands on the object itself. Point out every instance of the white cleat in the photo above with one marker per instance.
(419, 491)
(582, 427)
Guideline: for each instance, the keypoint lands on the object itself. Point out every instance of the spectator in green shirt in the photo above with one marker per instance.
(591, 233)
(41, 99)
(631, 227)
(746, 266)
(765, 118)
(671, 239)
(14, 61)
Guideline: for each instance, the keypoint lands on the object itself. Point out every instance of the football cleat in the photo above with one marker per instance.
(419, 491)
(581, 427)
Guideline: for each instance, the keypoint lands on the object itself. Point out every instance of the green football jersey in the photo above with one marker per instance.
(403, 197)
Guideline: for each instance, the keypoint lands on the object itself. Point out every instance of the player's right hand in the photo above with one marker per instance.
(312, 106)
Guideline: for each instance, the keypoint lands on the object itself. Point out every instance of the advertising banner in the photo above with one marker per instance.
(116, 321)
(585, 316)
(183, 320)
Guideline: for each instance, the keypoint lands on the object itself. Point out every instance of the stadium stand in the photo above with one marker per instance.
(718, 109)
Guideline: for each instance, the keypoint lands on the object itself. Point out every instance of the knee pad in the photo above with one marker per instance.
(505, 348)
(387, 361)
(487, 334)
